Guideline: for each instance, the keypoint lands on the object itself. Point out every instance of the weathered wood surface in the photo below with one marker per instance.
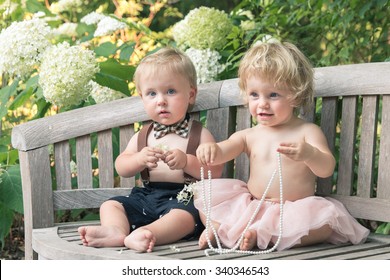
(70, 247)
(354, 92)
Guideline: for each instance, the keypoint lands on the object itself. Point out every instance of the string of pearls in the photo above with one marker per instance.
(209, 224)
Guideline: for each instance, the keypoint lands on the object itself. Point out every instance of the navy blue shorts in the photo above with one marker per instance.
(145, 205)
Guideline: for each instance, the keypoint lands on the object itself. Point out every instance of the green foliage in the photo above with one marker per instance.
(384, 228)
(10, 199)
(329, 32)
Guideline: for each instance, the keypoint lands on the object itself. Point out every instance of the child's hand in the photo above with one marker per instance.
(206, 153)
(175, 159)
(297, 151)
(149, 156)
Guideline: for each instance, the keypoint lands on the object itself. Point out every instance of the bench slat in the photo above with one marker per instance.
(62, 165)
(384, 151)
(35, 171)
(367, 146)
(243, 121)
(125, 134)
(221, 123)
(347, 146)
(354, 79)
(375, 209)
(85, 198)
(328, 126)
(84, 162)
(106, 161)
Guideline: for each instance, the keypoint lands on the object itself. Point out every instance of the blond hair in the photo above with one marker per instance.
(170, 59)
(282, 64)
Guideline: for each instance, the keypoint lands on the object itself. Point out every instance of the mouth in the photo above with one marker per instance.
(163, 113)
(265, 115)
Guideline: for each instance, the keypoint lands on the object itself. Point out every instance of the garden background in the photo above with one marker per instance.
(56, 56)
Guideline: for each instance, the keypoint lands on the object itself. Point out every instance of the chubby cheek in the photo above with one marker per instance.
(252, 109)
(149, 108)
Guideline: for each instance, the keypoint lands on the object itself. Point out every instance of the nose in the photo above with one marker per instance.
(161, 100)
(263, 102)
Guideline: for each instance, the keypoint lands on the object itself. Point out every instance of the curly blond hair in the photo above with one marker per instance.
(282, 64)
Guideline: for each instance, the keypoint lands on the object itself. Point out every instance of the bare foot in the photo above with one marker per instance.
(203, 244)
(141, 240)
(101, 236)
(249, 241)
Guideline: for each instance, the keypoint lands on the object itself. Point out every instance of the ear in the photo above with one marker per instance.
(193, 93)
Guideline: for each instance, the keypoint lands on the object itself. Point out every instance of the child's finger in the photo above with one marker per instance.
(201, 157)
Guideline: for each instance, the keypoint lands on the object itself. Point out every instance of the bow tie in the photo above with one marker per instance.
(180, 129)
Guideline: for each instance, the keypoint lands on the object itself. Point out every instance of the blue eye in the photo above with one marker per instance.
(171, 91)
(273, 95)
(254, 95)
(151, 93)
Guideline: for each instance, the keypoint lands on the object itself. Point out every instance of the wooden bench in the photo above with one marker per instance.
(354, 114)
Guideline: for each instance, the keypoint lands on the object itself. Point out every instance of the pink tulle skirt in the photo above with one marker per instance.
(233, 206)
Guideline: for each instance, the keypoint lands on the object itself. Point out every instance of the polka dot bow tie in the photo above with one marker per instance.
(180, 129)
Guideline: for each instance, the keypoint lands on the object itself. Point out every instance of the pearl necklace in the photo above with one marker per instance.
(207, 210)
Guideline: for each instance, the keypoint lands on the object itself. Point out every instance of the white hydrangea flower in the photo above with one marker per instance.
(8, 8)
(92, 18)
(103, 94)
(266, 39)
(108, 25)
(247, 25)
(246, 13)
(68, 29)
(73, 167)
(65, 6)
(22, 45)
(39, 14)
(65, 74)
(206, 63)
(203, 28)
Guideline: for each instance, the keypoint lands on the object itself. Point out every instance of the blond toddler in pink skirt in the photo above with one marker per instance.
(276, 80)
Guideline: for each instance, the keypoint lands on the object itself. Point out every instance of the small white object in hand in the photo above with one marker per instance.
(186, 194)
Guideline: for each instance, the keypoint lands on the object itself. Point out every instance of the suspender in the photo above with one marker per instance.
(142, 141)
(193, 143)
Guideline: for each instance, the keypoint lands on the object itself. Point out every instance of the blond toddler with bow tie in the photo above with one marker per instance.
(150, 215)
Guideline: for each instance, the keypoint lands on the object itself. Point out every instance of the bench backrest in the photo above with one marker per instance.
(353, 109)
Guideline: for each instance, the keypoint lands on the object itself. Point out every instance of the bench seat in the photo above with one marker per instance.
(64, 242)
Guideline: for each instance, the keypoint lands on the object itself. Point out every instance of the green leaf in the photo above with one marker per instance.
(112, 67)
(126, 50)
(112, 82)
(5, 94)
(43, 106)
(383, 228)
(137, 26)
(34, 6)
(364, 9)
(11, 189)
(21, 98)
(9, 157)
(6, 219)
(85, 31)
(106, 49)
